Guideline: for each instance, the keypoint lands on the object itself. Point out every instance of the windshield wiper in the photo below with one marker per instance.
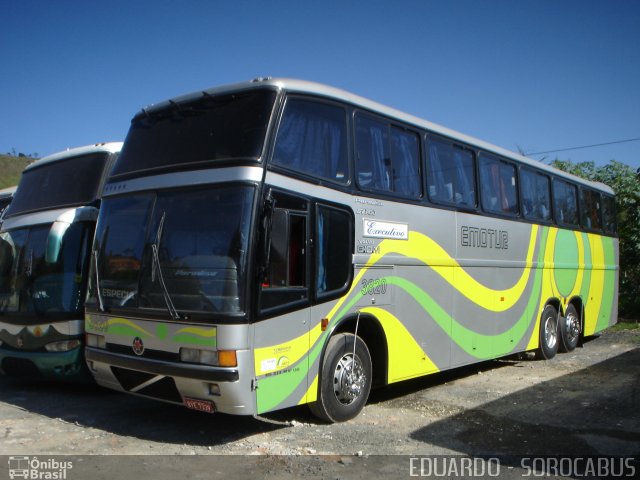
(155, 267)
(99, 295)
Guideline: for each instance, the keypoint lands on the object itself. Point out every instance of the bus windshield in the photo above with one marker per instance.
(41, 270)
(64, 183)
(208, 129)
(179, 251)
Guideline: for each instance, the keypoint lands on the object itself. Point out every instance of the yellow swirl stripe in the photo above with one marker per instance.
(123, 321)
(199, 332)
(426, 250)
(596, 288)
(407, 359)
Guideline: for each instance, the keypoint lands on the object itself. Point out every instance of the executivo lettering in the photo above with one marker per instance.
(377, 229)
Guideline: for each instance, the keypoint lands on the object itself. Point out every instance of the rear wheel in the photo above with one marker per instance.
(569, 330)
(548, 333)
(345, 379)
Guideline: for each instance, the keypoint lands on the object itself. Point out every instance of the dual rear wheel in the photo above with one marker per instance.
(558, 333)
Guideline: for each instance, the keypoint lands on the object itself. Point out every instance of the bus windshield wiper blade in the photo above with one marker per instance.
(99, 295)
(157, 268)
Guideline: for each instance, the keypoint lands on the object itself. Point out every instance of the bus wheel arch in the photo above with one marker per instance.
(345, 379)
(372, 334)
(549, 331)
(571, 327)
(334, 402)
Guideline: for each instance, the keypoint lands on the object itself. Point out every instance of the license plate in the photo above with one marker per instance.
(200, 405)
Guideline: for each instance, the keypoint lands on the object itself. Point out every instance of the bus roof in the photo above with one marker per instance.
(109, 147)
(318, 89)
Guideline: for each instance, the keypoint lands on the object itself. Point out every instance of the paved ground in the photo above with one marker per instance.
(583, 403)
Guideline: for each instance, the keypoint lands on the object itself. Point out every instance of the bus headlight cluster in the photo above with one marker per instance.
(96, 341)
(218, 358)
(63, 346)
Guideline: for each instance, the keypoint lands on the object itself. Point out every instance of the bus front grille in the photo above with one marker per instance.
(141, 383)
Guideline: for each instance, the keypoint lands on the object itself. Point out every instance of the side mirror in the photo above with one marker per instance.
(266, 222)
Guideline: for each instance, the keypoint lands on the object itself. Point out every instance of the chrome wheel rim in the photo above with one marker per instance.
(349, 379)
(572, 325)
(550, 332)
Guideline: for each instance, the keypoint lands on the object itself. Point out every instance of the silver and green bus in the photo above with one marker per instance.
(279, 242)
(45, 246)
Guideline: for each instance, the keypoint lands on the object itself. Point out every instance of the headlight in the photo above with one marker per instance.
(225, 358)
(63, 346)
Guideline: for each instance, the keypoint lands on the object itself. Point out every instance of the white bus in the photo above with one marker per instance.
(279, 242)
(45, 243)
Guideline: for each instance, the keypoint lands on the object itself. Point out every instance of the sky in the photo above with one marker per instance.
(526, 75)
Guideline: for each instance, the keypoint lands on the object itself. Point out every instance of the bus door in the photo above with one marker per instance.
(281, 333)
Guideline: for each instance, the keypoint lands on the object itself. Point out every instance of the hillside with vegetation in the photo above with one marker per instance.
(11, 168)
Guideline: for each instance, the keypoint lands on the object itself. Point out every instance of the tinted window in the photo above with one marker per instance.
(312, 139)
(451, 175)
(120, 238)
(333, 250)
(498, 185)
(536, 195)
(590, 209)
(388, 158)
(43, 269)
(565, 201)
(192, 242)
(405, 158)
(201, 237)
(211, 128)
(609, 214)
(74, 181)
(285, 280)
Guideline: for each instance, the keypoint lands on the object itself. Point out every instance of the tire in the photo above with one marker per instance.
(569, 330)
(549, 334)
(342, 396)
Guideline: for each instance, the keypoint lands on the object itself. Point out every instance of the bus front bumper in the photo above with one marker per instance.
(181, 383)
(58, 366)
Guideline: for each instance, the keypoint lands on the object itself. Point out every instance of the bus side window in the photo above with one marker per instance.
(387, 158)
(498, 185)
(565, 200)
(590, 209)
(405, 154)
(334, 250)
(312, 139)
(536, 196)
(451, 175)
(609, 214)
(285, 278)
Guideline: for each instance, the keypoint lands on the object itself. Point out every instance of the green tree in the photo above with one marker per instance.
(625, 182)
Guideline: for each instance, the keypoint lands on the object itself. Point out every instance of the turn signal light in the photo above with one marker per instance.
(227, 358)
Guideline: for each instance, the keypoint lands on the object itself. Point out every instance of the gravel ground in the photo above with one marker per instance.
(581, 403)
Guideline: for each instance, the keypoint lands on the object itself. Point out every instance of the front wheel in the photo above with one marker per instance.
(548, 333)
(345, 379)
(569, 330)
